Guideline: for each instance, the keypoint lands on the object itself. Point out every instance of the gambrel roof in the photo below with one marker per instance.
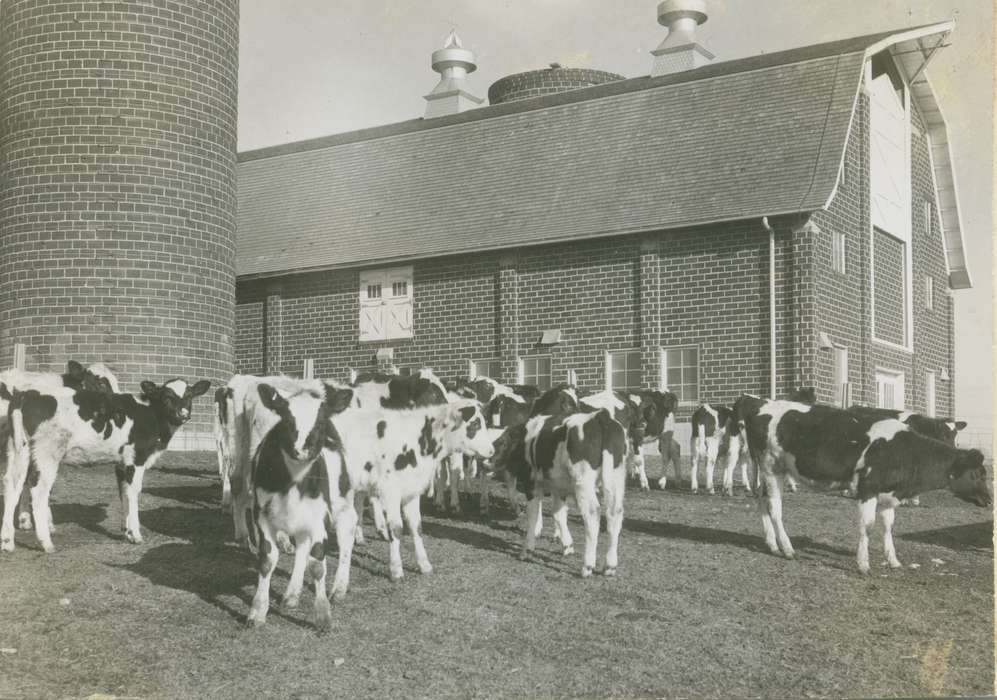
(759, 136)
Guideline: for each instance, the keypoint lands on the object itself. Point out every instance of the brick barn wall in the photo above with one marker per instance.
(117, 163)
(713, 286)
(889, 279)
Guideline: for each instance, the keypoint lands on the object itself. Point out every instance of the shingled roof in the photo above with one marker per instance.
(755, 137)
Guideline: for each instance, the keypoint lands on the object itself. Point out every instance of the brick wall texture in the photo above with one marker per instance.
(117, 204)
(704, 287)
(521, 86)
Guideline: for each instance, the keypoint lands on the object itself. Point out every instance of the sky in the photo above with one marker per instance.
(316, 67)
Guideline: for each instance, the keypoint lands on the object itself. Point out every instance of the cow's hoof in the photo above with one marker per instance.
(644, 486)
(864, 570)
(586, 571)
(895, 564)
(338, 594)
(694, 491)
(709, 492)
(789, 554)
(322, 619)
(610, 571)
(570, 549)
(252, 622)
(7, 545)
(24, 521)
(48, 547)
(290, 602)
(397, 575)
(426, 568)
(383, 534)
(662, 482)
(133, 537)
(728, 492)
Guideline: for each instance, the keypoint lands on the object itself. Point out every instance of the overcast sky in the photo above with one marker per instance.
(316, 67)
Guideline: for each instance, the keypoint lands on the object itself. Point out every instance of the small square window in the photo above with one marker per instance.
(680, 370)
(536, 371)
(373, 291)
(399, 289)
(488, 368)
(624, 369)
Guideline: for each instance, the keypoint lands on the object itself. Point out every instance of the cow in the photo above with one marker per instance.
(710, 424)
(393, 454)
(96, 377)
(626, 410)
(292, 491)
(568, 455)
(133, 430)
(241, 423)
(831, 445)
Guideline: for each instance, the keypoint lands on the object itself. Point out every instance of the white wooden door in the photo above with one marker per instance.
(890, 389)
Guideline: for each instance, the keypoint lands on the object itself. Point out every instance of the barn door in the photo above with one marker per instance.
(889, 390)
(398, 303)
(372, 306)
(889, 164)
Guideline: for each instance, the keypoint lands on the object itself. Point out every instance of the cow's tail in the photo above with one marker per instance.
(754, 457)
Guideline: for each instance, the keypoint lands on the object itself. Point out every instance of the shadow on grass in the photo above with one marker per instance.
(975, 536)
(90, 518)
(207, 496)
(186, 471)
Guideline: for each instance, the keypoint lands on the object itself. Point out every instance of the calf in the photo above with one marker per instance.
(710, 428)
(568, 455)
(133, 430)
(625, 409)
(96, 377)
(393, 454)
(831, 445)
(292, 491)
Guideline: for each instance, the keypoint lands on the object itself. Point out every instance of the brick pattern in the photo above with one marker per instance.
(521, 86)
(117, 163)
(889, 294)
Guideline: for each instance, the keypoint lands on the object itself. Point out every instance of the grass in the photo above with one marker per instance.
(699, 608)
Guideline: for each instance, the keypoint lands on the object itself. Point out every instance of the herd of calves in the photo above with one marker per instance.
(300, 457)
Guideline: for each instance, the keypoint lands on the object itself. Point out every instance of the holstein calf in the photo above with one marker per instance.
(132, 430)
(830, 445)
(393, 454)
(96, 377)
(292, 491)
(504, 411)
(568, 455)
(710, 428)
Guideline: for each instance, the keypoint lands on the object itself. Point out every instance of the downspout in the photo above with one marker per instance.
(767, 227)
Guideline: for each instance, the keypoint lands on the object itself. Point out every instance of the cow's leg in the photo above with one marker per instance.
(224, 468)
(745, 476)
(712, 447)
(484, 502)
(359, 501)
(440, 479)
(392, 512)
(284, 542)
(640, 463)
(456, 473)
(346, 522)
(774, 490)
(613, 489)
(560, 515)
(40, 491)
(13, 483)
(887, 514)
(510, 488)
(532, 524)
(377, 510)
(242, 511)
(266, 562)
(24, 521)
(302, 549)
(321, 611)
(588, 505)
(698, 450)
(867, 518)
(414, 519)
(129, 487)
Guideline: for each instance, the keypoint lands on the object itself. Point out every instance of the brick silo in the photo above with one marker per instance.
(117, 186)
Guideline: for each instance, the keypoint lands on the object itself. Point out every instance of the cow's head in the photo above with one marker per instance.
(82, 379)
(509, 446)
(173, 399)
(467, 431)
(968, 478)
(559, 401)
(304, 427)
(658, 410)
(804, 394)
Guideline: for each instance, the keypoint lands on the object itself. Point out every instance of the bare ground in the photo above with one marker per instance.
(699, 608)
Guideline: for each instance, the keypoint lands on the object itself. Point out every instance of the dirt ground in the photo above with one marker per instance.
(699, 608)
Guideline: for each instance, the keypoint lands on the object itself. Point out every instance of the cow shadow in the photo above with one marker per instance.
(971, 537)
(706, 535)
(206, 496)
(90, 518)
(187, 471)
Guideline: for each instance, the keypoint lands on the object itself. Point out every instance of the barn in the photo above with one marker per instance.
(715, 227)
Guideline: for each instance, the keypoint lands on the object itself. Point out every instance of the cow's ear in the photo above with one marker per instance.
(149, 389)
(199, 388)
(960, 425)
(74, 368)
(338, 399)
(270, 398)
(5, 393)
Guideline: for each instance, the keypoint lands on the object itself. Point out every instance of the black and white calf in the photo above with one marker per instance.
(711, 425)
(130, 430)
(832, 445)
(292, 491)
(568, 456)
(393, 455)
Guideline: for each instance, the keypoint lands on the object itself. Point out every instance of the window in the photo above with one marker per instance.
(838, 252)
(386, 316)
(929, 292)
(929, 394)
(536, 371)
(841, 387)
(889, 389)
(680, 373)
(929, 218)
(623, 369)
(488, 368)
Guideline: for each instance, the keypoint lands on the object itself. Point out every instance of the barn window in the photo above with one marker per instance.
(680, 373)
(929, 292)
(623, 369)
(536, 371)
(838, 252)
(889, 389)
(488, 368)
(386, 316)
(842, 393)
